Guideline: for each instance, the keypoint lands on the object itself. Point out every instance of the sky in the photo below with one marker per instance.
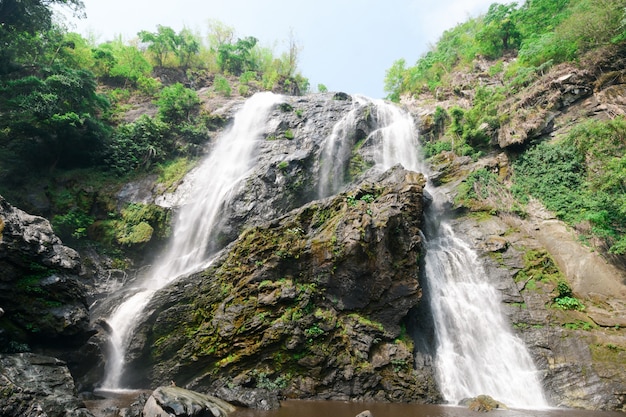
(346, 45)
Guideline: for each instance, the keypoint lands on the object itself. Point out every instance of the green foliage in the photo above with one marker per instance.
(72, 224)
(177, 103)
(321, 88)
(51, 119)
(126, 62)
(235, 58)
(565, 299)
(499, 32)
(554, 174)
(431, 149)
(222, 86)
(140, 222)
(166, 42)
(160, 43)
(477, 186)
(540, 31)
(138, 144)
(171, 172)
(582, 178)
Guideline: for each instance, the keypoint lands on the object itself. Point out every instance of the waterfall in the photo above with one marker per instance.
(336, 153)
(477, 352)
(229, 162)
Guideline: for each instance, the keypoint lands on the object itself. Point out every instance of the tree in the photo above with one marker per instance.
(291, 57)
(236, 58)
(20, 21)
(394, 80)
(177, 103)
(51, 120)
(160, 43)
(499, 33)
(186, 46)
(219, 34)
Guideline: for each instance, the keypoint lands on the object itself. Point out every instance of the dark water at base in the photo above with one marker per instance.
(350, 409)
(110, 402)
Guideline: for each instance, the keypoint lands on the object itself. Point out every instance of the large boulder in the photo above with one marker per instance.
(179, 402)
(42, 295)
(37, 386)
(312, 304)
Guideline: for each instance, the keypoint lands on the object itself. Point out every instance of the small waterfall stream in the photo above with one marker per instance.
(476, 351)
(228, 163)
(336, 152)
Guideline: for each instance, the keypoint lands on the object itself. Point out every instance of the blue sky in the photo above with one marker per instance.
(347, 45)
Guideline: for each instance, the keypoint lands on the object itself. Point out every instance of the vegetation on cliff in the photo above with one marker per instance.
(503, 79)
(67, 130)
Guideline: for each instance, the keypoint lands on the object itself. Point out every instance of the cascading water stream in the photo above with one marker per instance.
(477, 353)
(336, 152)
(227, 164)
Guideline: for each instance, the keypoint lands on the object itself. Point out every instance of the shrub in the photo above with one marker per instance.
(138, 144)
(222, 86)
(177, 103)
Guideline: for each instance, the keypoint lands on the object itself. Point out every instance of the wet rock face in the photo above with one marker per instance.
(34, 386)
(311, 304)
(43, 299)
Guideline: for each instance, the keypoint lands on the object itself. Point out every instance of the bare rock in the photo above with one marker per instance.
(179, 402)
(36, 386)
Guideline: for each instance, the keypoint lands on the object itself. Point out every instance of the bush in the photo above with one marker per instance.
(177, 103)
(72, 225)
(582, 178)
(222, 86)
(138, 144)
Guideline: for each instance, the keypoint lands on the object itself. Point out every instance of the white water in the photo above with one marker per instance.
(336, 153)
(398, 138)
(228, 163)
(477, 353)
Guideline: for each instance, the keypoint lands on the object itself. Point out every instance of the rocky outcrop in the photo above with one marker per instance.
(36, 386)
(311, 304)
(179, 402)
(41, 293)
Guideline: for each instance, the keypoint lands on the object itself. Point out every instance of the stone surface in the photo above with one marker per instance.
(179, 402)
(37, 386)
(41, 293)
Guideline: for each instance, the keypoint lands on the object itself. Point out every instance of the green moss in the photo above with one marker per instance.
(139, 223)
(172, 172)
(135, 234)
(357, 166)
(608, 352)
(364, 321)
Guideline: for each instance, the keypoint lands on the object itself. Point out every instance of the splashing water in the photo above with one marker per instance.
(228, 163)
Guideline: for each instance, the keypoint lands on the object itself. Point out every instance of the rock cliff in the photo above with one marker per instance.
(312, 303)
